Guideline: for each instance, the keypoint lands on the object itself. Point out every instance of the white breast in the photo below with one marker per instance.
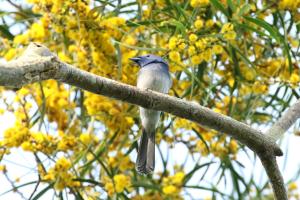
(154, 79)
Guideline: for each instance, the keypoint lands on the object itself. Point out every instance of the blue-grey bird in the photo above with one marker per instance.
(153, 75)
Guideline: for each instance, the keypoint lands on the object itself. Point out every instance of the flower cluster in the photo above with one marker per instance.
(60, 175)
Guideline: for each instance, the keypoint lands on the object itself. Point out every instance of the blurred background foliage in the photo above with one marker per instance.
(237, 57)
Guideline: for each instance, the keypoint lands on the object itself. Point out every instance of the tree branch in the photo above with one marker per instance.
(38, 64)
(285, 122)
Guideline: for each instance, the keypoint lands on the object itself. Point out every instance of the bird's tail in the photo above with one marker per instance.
(146, 153)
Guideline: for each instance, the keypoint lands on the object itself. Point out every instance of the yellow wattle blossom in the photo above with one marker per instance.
(3, 168)
(109, 187)
(86, 138)
(191, 50)
(38, 32)
(14, 137)
(217, 49)
(196, 59)
(182, 46)
(198, 3)
(21, 39)
(173, 42)
(227, 27)
(289, 4)
(178, 178)
(228, 31)
(121, 182)
(199, 24)
(293, 186)
(175, 56)
(169, 189)
(172, 184)
(193, 37)
(60, 175)
(11, 53)
(229, 35)
(233, 146)
(64, 57)
(259, 88)
(294, 79)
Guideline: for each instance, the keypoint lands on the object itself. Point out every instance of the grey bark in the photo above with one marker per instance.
(285, 122)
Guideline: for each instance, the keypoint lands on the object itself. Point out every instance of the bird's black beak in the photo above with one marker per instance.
(136, 59)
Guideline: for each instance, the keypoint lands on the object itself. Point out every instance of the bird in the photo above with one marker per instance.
(154, 75)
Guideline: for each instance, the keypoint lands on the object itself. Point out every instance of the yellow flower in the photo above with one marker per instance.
(227, 27)
(289, 4)
(121, 182)
(21, 39)
(259, 88)
(10, 54)
(178, 178)
(27, 146)
(192, 50)
(293, 186)
(207, 54)
(217, 49)
(198, 3)
(193, 37)
(294, 78)
(209, 23)
(230, 35)
(231, 82)
(233, 146)
(2, 168)
(37, 31)
(174, 56)
(60, 174)
(169, 189)
(198, 24)
(85, 138)
(181, 46)
(228, 31)
(62, 164)
(64, 57)
(109, 187)
(173, 43)
(196, 59)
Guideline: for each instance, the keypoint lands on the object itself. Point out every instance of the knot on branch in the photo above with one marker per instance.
(42, 69)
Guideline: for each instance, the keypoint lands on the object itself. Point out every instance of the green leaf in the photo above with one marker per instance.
(246, 26)
(189, 175)
(219, 6)
(244, 9)
(268, 27)
(231, 5)
(6, 33)
(82, 180)
(145, 185)
(17, 187)
(213, 189)
(179, 27)
(43, 191)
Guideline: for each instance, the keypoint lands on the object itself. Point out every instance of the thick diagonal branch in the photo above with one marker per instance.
(38, 68)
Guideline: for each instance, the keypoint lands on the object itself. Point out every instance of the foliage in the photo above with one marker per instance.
(235, 57)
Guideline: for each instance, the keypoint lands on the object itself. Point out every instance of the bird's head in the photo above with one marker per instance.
(144, 60)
